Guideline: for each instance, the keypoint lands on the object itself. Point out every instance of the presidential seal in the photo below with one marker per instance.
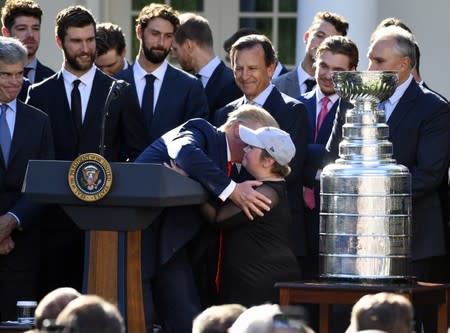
(90, 177)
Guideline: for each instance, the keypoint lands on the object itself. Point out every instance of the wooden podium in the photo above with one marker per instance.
(138, 194)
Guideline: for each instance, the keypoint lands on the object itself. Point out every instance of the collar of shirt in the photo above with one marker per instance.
(392, 101)
(85, 87)
(207, 71)
(139, 78)
(11, 116)
(262, 97)
(302, 76)
(319, 95)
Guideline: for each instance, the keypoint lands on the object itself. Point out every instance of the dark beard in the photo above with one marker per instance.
(72, 62)
(152, 57)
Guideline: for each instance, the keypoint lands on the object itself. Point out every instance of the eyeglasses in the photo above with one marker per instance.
(9, 76)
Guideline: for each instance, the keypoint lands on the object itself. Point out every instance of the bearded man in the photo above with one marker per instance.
(74, 99)
(168, 96)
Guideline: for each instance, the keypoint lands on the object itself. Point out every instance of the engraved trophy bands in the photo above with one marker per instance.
(365, 208)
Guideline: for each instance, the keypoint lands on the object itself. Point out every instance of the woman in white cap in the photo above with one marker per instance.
(257, 253)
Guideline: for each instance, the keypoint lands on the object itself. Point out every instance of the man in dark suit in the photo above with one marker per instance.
(25, 134)
(74, 99)
(419, 129)
(203, 152)
(335, 53)
(193, 49)
(167, 95)
(22, 20)
(253, 61)
(301, 79)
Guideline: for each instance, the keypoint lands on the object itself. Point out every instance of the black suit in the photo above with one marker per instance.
(124, 138)
(32, 139)
(292, 118)
(42, 72)
(221, 88)
(181, 98)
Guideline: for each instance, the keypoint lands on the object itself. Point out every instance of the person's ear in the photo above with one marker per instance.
(59, 42)
(5, 32)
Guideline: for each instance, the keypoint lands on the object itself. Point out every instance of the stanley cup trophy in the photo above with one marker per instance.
(365, 209)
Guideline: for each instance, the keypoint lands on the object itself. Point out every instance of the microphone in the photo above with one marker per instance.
(116, 89)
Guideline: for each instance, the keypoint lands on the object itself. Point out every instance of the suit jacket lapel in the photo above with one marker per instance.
(405, 103)
(214, 77)
(96, 102)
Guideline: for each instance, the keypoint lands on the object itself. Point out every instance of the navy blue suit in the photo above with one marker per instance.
(419, 129)
(221, 88)
(32, 139)
(42, 72)
(203, 155)
(292, 118)
(181, 98)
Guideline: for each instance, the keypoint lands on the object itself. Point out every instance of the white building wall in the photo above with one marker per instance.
(428, 20)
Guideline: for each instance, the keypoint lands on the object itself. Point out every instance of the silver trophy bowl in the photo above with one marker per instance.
(367, 86)
(365, 197)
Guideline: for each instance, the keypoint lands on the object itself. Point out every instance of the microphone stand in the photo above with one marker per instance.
(114, 92)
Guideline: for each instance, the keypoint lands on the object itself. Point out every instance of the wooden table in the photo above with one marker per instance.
(326, 294)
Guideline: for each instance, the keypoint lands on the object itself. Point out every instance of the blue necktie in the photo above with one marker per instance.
(5, 134)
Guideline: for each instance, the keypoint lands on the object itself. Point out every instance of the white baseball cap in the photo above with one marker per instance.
(275, 141)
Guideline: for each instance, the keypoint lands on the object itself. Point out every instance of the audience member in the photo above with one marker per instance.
(257, 319)
(335, 53)
(387, 312)
(253, 61)
(259, 254)
(167, 95)
(202, 151)
(301, 79)
(25, 134)
(280, 69)
(91, 314)
(217, 318)
(111, 48)
(53, 303)
(419, 129)
(74, 99)
(193, 49)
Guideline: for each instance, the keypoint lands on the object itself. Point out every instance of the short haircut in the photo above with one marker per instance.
(91, 314)
(248, 115)
(195, 28)
(405, 44)
(12, 51)
(155, 10)
(340, 45)
(109, 36)
(250, 41)
(15, 8)
(338, 21)
(217, 319)
(383, 311)
(73, 16)
(393, 21)
(53, 303)
(228, 43)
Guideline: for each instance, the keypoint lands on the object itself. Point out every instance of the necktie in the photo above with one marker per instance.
(322, 114)
(308, 194)
(76, 106)
(220, 249)
(310, 84)
(5, 134)
(26, 70)
(147, 100)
